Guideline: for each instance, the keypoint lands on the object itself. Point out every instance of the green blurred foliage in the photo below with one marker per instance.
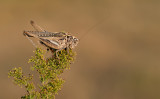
(49, 71)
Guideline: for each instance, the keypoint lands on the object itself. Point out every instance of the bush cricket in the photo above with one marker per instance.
(52, 40)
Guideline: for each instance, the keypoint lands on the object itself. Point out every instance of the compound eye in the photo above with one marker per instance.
(69, 36)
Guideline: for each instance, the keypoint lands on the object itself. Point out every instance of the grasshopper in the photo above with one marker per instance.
(54, 41)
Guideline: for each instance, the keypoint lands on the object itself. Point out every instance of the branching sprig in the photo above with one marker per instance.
(49, 71)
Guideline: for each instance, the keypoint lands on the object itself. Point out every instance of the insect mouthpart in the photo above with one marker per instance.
(73, 42)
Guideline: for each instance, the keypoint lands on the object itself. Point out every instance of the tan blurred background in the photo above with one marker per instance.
(119, 58)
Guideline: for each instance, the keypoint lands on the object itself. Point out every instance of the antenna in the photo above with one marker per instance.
(91, 28)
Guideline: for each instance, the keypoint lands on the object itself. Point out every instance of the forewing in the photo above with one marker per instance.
(50, 43)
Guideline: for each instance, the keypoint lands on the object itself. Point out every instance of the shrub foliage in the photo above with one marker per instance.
(49, 71)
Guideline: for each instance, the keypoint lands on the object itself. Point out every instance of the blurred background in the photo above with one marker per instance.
(118, 58)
